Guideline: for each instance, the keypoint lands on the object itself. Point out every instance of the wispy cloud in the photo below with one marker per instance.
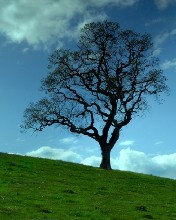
(161, 38)
(69, 140)
(154, 21)
(19, 139)
(126, 143)
(44, 21)
(25, 50)
(169, 64)
(163, 4)
(158, 143)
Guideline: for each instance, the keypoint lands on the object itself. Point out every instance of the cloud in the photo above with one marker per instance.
(19, 139)
(55, 154)
(136, 161)
(126, 143)
(44, 21)
(162, 38)
(157, 52)
(169, 64)
(127, 160)
(115, 2)
(163, 4)
(158, 143)
(91, 161)
(132, 160)
(69, 140)
(154, 21)
(25, 50)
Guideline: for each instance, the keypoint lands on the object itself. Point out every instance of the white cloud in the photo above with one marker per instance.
(169, 64)
(158, 143)
(165, 165)
(161, 39)
(128, 160)
(92, 161)
(19, 139)
(126, 143)
(131, 160)
(55, 154)
(69, 140)
(136, 161)
(25, 50)
(173, 32)
(115, 2)
(44, 21)
(157, 52)
(154, 21)
(163, 4)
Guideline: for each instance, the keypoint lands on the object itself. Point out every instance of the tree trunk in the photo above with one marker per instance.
(106, 163)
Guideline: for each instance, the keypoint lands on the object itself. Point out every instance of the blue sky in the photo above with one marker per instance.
(31, 30)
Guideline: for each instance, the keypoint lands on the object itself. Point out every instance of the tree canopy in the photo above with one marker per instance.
(98, 88)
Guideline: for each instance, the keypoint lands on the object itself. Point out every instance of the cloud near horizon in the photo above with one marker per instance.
(42, 21)
(55, 154)
(127, 160)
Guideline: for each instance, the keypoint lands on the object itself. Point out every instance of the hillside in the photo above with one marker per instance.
(33, 188)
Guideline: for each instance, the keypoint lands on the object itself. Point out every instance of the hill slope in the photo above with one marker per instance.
(33, 188)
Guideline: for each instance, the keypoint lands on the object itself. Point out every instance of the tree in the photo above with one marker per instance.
(97, 89)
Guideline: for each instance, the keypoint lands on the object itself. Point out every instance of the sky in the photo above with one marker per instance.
(31, 30)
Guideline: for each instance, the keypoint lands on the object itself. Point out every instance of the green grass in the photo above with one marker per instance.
(33, 188)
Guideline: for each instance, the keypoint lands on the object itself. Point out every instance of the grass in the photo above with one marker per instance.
(41, 189)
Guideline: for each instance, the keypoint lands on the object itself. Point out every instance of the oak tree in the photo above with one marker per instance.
(98, 88)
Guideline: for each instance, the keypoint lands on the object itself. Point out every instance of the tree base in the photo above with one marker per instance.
(105, 166)
(106, 163)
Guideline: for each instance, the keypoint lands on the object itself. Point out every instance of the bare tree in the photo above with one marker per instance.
(98, 88)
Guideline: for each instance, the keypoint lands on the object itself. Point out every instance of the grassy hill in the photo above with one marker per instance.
(33, 188)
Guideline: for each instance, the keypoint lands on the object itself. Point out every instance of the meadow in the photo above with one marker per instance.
(43, 189)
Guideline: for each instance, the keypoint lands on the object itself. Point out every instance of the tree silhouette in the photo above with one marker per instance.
(98, 88)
